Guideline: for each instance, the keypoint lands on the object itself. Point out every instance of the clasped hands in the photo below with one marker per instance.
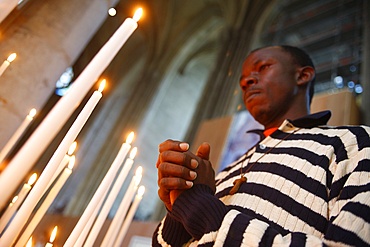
(179, 169)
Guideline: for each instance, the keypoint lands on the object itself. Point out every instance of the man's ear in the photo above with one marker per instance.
(305, 75)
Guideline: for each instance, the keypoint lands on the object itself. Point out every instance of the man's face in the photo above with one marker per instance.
(269, 84)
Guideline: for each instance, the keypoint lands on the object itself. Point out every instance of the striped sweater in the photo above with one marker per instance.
(311, 189)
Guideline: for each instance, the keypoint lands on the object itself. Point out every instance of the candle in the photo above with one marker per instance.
(63, 163)
(104, 186)
(40, 187)
(81, 238)
(122, 209)
(110, 200)
(17, 134)
(129, 217)
(6, 7)
(7, 62)
(29, 243)
(46, 203)
(16, 202)
(25, 158)
(7, 214)
(52, 237)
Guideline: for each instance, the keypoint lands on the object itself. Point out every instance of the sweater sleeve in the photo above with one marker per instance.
(170, 232)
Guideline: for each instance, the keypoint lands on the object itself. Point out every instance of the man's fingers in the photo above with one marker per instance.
(175, 171)
(204, 151)
(172, 183)
(179, 158)
(173, 145)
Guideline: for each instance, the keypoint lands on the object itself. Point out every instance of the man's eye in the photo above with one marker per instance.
(264, 66)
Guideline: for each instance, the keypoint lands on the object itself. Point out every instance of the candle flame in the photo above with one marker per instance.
(138, 14)
(102, 85)
(72, 148)
(133, 153)
(29, 243)
(130, 137)
(11, 57)
(140, 191)
(14, 199)
(138, 175)
(71, 162)
(53, 234)
(32, 112)
(139, 171)
(32, 179)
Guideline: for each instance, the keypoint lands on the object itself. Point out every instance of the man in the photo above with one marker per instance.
(303, 184)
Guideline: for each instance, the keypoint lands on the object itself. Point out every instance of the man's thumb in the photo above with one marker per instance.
(204, 151)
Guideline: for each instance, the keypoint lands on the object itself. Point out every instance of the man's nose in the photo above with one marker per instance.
(248, 81)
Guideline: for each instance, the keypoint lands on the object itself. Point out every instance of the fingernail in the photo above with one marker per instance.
(194, 163)
(189, 183)
(193, 174)
(184, 146)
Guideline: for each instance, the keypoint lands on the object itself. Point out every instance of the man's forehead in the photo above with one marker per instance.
(267, 53)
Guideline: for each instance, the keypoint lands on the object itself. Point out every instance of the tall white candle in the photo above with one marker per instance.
(130, 215)
(7, 7)
(35, 195)
(113, 229)
(110, 200)
(17, 134)
(81, 238)
(46, 203)
(66, 160)
(15, 171)
(100, 192)
(14, 205)
(7, 62)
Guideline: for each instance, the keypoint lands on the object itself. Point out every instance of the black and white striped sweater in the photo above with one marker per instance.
(311, 189)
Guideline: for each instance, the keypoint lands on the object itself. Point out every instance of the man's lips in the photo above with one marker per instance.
(250, 94)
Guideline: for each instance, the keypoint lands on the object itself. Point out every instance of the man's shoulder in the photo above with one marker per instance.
(362, 131)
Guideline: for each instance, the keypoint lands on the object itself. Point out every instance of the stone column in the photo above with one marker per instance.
(47, 36)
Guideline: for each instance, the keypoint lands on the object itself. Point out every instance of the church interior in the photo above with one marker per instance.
(176, 77)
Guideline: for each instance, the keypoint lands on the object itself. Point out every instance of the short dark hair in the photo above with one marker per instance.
(301, 58)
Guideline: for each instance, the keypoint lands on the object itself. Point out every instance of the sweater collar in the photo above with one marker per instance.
(308, 121)
(312, 120)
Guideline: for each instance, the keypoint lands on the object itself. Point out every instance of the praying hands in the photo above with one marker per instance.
(179, 169)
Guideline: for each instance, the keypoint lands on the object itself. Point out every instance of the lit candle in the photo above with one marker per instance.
(29, 243)
(7, 62)
(113, 229)
(17, 134)
(46, 203)
(129, 217)
(16, 202)
(7, 214)
(81, 238)
(52, 237)
(35, 195)
(66, 159)
(110, 200)
(25, 158)
(90, 211)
